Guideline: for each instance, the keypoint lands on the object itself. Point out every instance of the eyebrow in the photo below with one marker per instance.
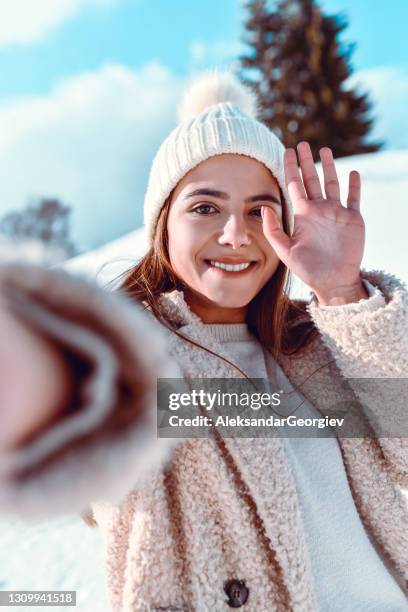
(222, 195)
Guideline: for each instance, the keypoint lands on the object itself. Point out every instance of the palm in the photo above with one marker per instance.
(327, 243)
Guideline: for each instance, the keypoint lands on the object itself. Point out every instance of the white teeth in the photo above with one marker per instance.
(230, 267)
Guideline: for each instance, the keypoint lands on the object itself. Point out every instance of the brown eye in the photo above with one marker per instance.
(201, 206)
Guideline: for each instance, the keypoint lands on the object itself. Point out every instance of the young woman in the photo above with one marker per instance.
(213, 523)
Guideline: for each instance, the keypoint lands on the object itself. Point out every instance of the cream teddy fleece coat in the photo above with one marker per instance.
(180, 518)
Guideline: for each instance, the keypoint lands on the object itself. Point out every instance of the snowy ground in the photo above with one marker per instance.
(59, 554)
(64, 553)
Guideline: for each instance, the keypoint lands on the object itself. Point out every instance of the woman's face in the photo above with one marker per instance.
(215, 217)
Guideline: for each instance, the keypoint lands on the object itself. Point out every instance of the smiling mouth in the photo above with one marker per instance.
(230, 269)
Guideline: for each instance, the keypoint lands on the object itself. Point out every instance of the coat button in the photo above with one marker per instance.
(237, 593)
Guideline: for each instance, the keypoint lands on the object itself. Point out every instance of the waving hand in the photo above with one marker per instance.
(327, 245)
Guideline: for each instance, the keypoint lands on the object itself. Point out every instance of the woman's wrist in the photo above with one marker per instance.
(342, 295)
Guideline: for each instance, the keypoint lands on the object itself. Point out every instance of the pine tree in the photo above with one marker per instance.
(298, 67)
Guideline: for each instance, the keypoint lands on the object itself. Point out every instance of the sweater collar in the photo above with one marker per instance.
(229, 332)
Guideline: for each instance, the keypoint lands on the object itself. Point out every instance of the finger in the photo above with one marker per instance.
(279, 241)
(293, 179)
(331, 181)
(354, 190)
(309, 173)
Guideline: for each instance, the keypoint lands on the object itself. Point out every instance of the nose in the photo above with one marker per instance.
(235, 232)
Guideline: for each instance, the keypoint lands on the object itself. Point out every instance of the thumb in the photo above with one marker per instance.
(279, 241)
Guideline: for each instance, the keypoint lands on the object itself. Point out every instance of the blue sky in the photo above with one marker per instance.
(89, 89)
(133, 32)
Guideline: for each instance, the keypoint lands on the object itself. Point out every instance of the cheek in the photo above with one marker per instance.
(186, 235)
(184, 245)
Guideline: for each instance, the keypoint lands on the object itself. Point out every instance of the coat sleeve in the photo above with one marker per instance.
(369, 340)
(105, 442)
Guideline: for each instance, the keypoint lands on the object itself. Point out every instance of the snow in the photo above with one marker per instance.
(64, 553)
(111, 260)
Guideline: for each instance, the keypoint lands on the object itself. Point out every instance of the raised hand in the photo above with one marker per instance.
(327, 245)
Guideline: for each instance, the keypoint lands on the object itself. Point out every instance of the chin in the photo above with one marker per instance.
(228, 301)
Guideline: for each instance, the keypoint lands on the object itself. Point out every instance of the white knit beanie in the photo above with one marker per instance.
(217, 115)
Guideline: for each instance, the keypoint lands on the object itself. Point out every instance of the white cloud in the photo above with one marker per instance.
(27, 21)
(388, 90)
(89, 143)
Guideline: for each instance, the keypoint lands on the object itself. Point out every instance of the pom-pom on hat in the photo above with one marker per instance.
(217, 115)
